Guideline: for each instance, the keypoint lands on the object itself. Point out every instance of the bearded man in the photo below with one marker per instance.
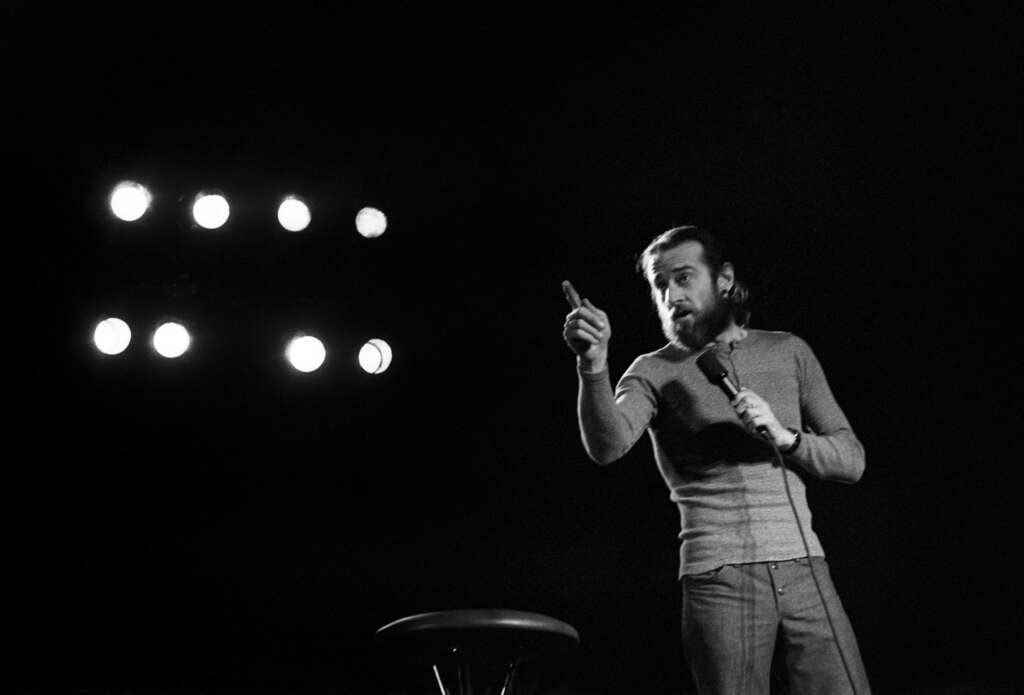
(753, 573)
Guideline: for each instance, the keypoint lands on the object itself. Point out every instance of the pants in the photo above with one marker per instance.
(734, 616)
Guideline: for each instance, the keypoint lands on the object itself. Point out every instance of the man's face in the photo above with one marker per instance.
(688, 298)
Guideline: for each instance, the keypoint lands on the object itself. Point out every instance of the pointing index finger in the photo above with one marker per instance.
(571, 294)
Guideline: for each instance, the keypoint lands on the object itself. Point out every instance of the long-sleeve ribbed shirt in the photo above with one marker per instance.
(731, 498)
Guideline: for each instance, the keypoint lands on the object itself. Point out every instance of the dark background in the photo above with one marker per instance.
(220, 522)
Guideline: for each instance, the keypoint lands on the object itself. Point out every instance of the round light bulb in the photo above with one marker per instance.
(375, 356)
(171, 340)
(129, 201)
(112, 336)
(210, 211)
(371, 222)
(293, 214)
(306, 353)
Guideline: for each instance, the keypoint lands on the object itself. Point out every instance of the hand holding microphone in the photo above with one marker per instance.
(753, 410)
(757, 415)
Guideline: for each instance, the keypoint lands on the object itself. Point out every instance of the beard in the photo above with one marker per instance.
(699, 328)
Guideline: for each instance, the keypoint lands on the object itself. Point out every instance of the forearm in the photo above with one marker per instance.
(837, 456)
(603, 429)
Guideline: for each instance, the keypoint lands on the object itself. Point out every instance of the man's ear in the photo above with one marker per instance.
(726, 278)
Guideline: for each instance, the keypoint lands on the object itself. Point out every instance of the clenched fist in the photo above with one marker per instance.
(755, 413)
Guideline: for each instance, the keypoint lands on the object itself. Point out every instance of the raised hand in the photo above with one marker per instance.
(586, 331)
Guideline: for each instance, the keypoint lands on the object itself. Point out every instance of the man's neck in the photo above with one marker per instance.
(732, 334)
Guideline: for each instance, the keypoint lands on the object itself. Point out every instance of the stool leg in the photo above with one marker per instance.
(440, 683)
(510, 677)
(460, 676)
(465, 671)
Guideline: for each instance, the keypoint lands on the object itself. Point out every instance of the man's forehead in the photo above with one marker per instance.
(688, 253)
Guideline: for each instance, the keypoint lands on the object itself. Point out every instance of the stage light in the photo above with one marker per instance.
(375, 356)
(112, 336)
(306, 353)
(210, 210)
(171, 340)
(129, 201)
(371, 222)
(293, 214)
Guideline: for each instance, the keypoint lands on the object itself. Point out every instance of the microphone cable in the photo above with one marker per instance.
(810, 565)
(780, 462)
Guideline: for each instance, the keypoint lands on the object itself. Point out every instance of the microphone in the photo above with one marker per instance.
(716, 373)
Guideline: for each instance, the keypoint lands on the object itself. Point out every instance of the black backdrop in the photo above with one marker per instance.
(222, 523)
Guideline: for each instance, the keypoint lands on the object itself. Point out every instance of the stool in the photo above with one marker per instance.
(476, 652)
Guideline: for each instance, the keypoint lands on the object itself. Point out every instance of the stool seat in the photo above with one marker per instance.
(476, 650)
(515, 630)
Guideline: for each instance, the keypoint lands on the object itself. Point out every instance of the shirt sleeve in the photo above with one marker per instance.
(611, 423)
(829, 449)
(636, 400)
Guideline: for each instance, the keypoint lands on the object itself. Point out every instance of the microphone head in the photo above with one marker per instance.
(711, 367)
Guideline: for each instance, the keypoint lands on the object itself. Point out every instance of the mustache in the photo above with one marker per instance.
(675, 311)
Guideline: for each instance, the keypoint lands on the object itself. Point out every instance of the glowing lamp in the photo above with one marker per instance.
(371, 222)
(129, 201)
(171, 340)
(375, 356)
(306, 353)
(112, 336)
(293, 214)
(210, 210)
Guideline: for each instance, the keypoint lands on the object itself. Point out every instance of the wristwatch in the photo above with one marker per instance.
(796, 442)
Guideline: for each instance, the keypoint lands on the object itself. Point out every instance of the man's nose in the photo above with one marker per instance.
(674, 294)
